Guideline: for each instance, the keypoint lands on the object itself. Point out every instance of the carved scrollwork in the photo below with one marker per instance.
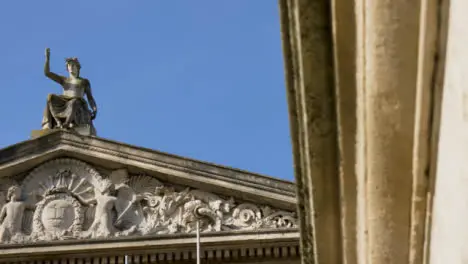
(280, 219)
(71, 200)
(246, 215)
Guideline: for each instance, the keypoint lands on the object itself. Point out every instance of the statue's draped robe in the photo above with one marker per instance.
(70, 107)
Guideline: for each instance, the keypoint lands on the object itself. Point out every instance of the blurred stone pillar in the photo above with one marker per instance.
(363, 81)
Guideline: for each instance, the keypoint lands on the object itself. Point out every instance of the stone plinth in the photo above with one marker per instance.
(85, 130)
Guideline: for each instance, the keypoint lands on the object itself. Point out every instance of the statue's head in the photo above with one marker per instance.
(14, 193)
(73, 66)
(107, 187)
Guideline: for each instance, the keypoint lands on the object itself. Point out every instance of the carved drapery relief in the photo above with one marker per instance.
(69, 199)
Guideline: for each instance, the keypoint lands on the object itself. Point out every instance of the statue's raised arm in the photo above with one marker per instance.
(55, 77)
(70, 110)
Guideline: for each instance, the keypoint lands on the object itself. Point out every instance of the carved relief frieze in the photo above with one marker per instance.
(69, 199)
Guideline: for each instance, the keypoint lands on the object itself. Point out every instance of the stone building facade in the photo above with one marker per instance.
(69, 198)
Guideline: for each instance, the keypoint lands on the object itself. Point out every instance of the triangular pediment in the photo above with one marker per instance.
(75, 187)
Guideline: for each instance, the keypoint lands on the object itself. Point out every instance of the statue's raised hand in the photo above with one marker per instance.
(47, 53)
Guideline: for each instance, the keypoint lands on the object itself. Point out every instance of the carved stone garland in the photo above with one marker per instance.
(68, 199)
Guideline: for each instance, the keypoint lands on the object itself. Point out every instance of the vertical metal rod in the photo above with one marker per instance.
(198, 242)
(126, 259)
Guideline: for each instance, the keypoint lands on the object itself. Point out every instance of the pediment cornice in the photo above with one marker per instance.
(26, 155)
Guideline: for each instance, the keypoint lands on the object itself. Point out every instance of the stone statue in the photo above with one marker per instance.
(106, 203)
(11, 215)
(69, 110)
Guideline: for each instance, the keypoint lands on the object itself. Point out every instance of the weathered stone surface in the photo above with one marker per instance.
(308, 53)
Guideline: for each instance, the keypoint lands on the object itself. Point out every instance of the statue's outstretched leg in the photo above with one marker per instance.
(49, 120)
(70, 120)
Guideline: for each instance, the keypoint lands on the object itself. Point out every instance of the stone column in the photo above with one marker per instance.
(387, 77)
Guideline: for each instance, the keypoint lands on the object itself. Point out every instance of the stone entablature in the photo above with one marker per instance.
(68, 199)
(266, 246)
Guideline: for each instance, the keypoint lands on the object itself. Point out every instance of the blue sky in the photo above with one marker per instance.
(202, 79)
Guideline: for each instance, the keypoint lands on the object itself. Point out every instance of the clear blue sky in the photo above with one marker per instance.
(202, 79)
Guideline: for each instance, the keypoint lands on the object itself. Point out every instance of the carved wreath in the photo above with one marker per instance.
(76, 226)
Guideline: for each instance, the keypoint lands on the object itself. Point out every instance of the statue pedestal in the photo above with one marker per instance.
(82, 130)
